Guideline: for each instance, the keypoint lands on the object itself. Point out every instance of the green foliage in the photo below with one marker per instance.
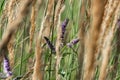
(69, 62)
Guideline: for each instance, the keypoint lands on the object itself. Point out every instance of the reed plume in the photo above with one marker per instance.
(97, 10)
(11, 18)
(12, 27)
(11, 6)
(58, 44)
(109, 10)
(37, 72)
(44, 31)
(48, 23)
(106, 48)
(57, 11)
(32, 28)
(82, 27)
(4, 15)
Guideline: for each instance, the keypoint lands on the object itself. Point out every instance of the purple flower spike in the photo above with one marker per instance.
(50, 44)
(73, 42)
(64, 25)
(6, 66)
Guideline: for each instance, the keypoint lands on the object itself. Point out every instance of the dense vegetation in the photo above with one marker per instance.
(60, 39)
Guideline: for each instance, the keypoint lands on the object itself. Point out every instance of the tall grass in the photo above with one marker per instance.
(60, 39)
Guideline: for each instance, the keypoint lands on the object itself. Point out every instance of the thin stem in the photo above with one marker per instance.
(22, 51)
(52, 42)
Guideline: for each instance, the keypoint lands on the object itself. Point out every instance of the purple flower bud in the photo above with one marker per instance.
(6, 67)
(73, 42)
(64, 25)
(50, 44)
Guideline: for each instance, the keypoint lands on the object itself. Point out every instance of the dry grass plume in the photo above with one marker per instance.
(81, 36)
(48, 18)
(32, 28)
(12, 27)
(109, 10)
(58, 44)
(97, 10)
(57, 11)
(44, 31)
(4, 16)
(106, 48)
(11, 17)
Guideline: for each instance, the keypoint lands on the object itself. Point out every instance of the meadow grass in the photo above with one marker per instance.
(94, 23)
